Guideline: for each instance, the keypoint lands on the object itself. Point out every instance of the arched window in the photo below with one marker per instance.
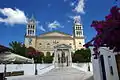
(47, 53)
(28, 26)
(52, 54)
(40, 43)
(48, 43)
(80, 28)
(33, 31)
(28, 31)
(80, 43)
(32, 26)
(78, 33)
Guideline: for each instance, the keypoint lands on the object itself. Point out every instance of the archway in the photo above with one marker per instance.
(62, 56)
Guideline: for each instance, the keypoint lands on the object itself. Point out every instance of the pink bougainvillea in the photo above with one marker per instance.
(108, 31)
(33, 53)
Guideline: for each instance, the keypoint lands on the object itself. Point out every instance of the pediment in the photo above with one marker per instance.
(58, 34)
(62, 46)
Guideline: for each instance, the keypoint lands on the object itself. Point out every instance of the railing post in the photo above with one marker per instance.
(35, 68)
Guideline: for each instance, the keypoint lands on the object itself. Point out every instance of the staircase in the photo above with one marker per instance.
(62, 73)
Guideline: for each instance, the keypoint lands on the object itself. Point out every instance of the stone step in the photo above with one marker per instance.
(65, 73)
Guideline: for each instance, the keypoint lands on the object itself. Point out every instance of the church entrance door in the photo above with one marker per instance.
(63, 59)
(62, 56)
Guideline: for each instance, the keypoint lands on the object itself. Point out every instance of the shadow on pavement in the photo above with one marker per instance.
(90, 78)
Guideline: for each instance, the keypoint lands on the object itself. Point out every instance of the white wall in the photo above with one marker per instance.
(108, 61)
(83, 66)
(96, 67)
(44, 68)
(29, 69)
(1, 68)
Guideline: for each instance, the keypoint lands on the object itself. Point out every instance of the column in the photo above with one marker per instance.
(55, 58)
(70, 57)
(60, 58)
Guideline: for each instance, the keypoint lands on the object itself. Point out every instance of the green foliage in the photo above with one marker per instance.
(77, 58)
(48, 54)
(18, 48)
(48, 58)
(39, 57)
(83, 55)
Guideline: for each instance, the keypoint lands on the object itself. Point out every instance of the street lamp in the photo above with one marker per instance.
(88, 67)
(35, 67)
(4, 74)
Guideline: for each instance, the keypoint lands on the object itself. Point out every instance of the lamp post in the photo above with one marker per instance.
(88, 64)
(88, 67)
(4, 74)
(35, 67)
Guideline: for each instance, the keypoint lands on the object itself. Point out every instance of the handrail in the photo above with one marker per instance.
(46, 67)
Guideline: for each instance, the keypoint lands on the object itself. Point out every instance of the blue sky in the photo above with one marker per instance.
(14, 13)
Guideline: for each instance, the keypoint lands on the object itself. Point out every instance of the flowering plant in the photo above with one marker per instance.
(108, 32)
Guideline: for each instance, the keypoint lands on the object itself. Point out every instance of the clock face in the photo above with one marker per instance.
(30, 41)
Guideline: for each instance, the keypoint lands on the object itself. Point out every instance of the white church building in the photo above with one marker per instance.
(58, 43)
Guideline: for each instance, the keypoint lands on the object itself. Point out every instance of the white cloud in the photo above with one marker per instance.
(68, 21)
(41, 28)
(72, 4)
(14, 16)
(79, 8)
(75, 18)
(54, 25)
(65, 0)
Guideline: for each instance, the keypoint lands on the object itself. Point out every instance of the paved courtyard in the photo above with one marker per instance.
(67, 73)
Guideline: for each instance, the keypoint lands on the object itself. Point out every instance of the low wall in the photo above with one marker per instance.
(29, 69)
(83, 66)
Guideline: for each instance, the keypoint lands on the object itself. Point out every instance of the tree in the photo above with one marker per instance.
(77, 58)
(37, 55)
(86, 53)
(18, 48)
(48, 58)
(31, 52)
(83, 55)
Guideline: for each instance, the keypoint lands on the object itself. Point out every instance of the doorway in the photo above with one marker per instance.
(62, 56)
(62, 60)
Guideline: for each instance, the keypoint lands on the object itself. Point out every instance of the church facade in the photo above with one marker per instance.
(46, 42)
(58, 43)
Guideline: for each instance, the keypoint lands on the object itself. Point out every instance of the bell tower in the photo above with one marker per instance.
(31, 27)
(78, 35)
(77, 28)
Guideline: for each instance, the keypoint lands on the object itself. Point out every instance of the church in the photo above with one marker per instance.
(58, 43)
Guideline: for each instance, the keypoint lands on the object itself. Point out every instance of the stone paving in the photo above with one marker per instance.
(66, 73)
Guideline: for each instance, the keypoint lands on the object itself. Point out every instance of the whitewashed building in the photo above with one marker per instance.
(107, 65)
